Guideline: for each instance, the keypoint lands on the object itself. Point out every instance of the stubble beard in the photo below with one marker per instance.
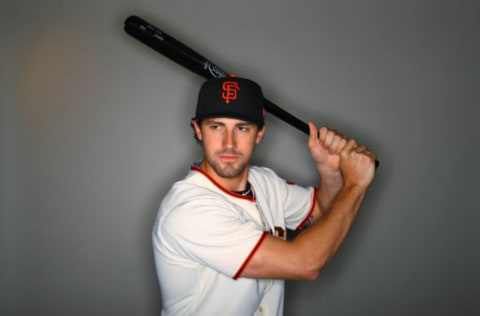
(228, 170)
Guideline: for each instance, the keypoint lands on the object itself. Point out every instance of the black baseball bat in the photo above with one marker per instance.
(192, 60)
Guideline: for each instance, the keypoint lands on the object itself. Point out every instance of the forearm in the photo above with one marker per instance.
(331, 182)
(319, 243)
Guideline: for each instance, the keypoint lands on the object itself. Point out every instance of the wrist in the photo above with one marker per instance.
(355, 188)
(327, 170)
(330, 176)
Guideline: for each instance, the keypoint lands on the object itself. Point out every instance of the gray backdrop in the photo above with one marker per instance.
(95, 128)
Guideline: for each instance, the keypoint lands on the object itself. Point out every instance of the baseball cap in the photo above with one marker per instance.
(231, 97)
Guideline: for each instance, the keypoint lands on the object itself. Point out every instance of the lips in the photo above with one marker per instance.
(229, 157)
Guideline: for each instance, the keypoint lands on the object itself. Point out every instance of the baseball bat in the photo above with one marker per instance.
(192, 60)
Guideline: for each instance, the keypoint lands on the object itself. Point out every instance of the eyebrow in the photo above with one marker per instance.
(213, 121)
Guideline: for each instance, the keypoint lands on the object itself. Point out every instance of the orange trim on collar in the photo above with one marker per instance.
(225, 190)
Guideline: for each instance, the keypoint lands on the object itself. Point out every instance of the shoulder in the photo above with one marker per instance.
(190, 196)
(266, 182)
(264, 176)
(188, 202)
(263, 172)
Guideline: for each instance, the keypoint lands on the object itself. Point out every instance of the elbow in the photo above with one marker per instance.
(310, 262)
(311, 275)
(312, 269)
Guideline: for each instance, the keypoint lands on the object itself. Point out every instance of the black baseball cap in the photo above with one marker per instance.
(231, 97)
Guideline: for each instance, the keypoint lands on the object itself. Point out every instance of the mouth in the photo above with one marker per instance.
(229, 158)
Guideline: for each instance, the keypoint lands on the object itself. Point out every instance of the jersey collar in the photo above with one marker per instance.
(196, 168)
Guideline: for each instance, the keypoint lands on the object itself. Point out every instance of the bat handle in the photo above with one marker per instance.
(292, 120)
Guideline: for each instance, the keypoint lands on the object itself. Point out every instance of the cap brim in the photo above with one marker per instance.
(239, 116)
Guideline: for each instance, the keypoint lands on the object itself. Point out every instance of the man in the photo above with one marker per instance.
(220, 236)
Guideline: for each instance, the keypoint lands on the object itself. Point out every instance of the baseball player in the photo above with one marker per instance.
(220, 235)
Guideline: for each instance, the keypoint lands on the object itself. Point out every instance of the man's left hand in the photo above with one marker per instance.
(325, 146)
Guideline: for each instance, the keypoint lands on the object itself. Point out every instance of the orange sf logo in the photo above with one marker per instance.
(230, 89)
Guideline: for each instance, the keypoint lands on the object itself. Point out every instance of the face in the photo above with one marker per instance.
(228, 144)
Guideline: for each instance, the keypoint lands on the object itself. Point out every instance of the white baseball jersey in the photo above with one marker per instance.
(205, 236)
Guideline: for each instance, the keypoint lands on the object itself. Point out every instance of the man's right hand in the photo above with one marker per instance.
(357, 164)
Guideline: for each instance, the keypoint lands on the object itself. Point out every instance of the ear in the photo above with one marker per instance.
(260, 133)
(197, 129)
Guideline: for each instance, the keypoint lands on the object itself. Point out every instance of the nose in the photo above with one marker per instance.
(229, 139)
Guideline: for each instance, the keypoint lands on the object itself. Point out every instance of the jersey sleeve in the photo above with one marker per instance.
(299, 204)
(209, 232)
(296, 202)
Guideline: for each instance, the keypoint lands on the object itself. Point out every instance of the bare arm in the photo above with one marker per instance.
(325, 147)
(303, 258)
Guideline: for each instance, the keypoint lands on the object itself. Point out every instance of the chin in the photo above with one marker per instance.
(229, 171)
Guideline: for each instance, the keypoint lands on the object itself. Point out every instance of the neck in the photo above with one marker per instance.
(238, 183)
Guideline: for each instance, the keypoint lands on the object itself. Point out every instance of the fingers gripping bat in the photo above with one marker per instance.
(192, 60)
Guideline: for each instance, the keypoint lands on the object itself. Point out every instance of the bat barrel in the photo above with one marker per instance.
(171, 48)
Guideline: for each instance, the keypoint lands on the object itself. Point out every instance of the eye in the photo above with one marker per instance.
(215, 127)
(243, 128)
